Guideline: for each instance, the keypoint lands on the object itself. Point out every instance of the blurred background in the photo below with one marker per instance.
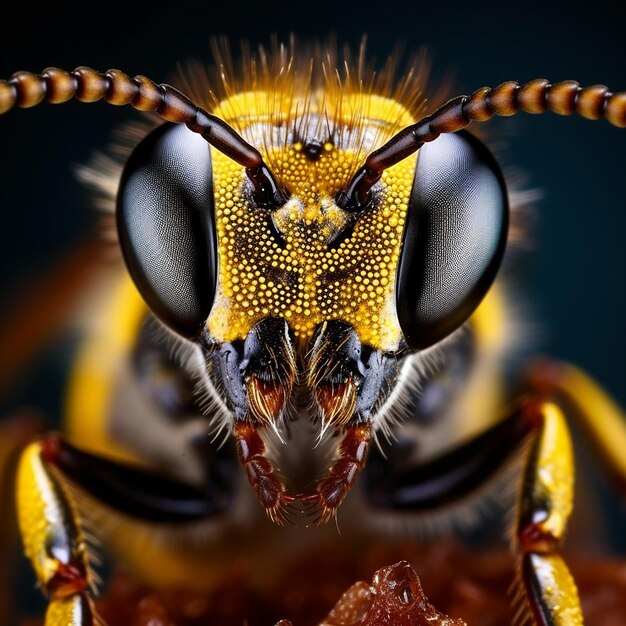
(575, 277)
(573, 283)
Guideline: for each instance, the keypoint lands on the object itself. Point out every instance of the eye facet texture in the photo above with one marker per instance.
(454, 238)
(166, 226)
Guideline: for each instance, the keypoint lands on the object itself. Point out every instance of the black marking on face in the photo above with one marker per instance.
(337, 357)
(312, 150)
(265, 354)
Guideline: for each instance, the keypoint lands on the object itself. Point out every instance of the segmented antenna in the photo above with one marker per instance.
(25, 89)
(537, 96)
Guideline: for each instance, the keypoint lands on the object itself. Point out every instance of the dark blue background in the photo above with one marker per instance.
(576, 275)
(574, 281)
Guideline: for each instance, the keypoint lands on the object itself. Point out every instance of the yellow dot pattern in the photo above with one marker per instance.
(301, 278)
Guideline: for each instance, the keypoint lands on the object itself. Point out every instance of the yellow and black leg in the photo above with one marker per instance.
(546, 501)
(51, 526)
(53, 541)
(547, 591)
(601, 419)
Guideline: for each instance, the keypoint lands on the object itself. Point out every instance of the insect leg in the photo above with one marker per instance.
(51, 526)
(53, 541)
(261, 473)
(131, 490)
(546, 498)
(603, 421)
(545, 506)
(335, 486)
(454, 476)
(17, 430)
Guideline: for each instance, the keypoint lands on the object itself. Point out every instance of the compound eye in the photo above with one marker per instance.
(165, 219)
(454, 238)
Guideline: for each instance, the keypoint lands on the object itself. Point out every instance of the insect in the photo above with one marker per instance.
(308, 253)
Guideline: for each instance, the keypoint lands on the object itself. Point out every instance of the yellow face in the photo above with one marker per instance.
(288, 264)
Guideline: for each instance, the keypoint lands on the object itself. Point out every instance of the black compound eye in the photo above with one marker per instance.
(454, 237)
(165, 218)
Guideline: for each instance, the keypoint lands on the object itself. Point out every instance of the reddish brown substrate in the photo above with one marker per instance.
(461, 584)
(394, 598)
